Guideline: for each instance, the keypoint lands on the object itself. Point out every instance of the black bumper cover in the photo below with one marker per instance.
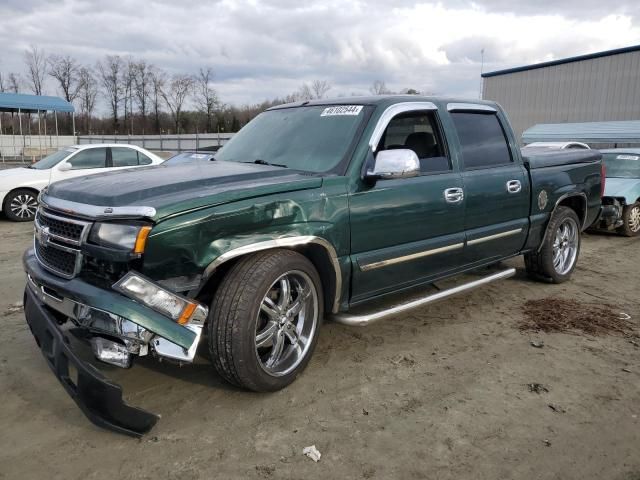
(99, 399)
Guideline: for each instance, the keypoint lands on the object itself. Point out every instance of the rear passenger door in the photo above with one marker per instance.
(126, 157)
(496, 185)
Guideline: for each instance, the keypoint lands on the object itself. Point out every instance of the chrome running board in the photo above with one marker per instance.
(366, 319)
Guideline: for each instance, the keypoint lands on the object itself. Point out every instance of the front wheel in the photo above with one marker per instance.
(21, 205)
(265, 318)
(558, 254)
(631, 219)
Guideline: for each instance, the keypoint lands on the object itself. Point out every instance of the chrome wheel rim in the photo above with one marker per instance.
(634, 219)
(24, 205)
(565, 246)
(286, 323)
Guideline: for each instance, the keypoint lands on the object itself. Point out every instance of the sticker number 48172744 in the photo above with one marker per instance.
(341, 110)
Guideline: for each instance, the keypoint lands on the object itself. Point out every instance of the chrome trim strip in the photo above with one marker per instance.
(94, 212)
(405, 258)
(489, 238)
(366, 319)
(478, 107)
(283, 242)
(391, 112)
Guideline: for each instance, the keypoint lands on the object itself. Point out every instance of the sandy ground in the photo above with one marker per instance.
(438, 394)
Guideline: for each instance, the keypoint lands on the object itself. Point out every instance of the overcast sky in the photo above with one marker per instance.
(262, 49)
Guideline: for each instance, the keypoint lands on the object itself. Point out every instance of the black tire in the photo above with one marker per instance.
(540, 264)
(237, 315)
(631, 219)
(20, 205)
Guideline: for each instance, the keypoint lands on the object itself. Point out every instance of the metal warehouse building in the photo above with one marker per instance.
(597, 87)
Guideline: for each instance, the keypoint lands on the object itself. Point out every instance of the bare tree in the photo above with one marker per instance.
(65, 71)
(320, 88)
(128, 77)
(304, 93)
(205, 96)
(142, 87)
(175, 95)
(378, 87)
(36, 62)
(14, 83)
(3, 87)
(87, 93)
(109, 74)
(158, 80)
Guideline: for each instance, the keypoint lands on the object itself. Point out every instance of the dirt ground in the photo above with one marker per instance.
(442, 393)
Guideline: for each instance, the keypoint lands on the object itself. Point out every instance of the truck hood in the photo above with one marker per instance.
(627, 188)
(174, 189)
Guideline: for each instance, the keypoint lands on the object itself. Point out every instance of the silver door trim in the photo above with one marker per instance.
(405, 258)
(494, 237)
(391, 112)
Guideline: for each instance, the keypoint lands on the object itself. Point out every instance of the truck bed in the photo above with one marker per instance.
(544, 157)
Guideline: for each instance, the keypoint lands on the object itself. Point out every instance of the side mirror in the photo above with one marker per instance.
(64, 167)
(401, 163)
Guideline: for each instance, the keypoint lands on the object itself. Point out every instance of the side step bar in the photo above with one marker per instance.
(366, 319)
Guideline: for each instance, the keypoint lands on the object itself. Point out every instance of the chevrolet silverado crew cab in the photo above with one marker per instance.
(312, 209)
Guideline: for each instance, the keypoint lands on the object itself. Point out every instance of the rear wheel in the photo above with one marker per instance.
(265, 320)
(21, 205)
(558, 254)
(631, 219)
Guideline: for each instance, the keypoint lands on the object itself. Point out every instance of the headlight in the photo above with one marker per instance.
(127, 237)
(180, 309)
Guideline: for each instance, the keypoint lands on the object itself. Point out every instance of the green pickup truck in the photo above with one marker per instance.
(313, 209)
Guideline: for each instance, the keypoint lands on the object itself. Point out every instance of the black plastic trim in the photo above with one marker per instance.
(98, 398)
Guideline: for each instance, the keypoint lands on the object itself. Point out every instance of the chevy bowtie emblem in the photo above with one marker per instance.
(42, 235)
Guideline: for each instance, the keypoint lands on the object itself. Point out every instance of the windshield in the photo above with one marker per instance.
(188, 157)
(312, 139)
(53, 159)
(621, 165)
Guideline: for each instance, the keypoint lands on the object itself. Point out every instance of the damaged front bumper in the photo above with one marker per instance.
(118, 329)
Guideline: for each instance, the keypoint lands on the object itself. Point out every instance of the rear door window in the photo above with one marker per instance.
(124, 157)
(483, 142)
(89, 158)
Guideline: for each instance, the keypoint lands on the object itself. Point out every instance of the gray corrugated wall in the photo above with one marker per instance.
(599, 89)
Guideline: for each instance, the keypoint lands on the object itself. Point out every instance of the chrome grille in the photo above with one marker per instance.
(59, 261)
(57, 241)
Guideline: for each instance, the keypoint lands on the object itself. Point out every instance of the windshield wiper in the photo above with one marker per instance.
(259, 161)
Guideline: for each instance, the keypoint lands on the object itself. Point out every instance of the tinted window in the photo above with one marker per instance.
(143, 159)
(417, 131)
(309, 138)
(53, 159)
(482, 140)
(124, 157)
(89, 158)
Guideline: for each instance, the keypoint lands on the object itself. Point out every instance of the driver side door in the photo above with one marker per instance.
(407, 231)
(85, 162)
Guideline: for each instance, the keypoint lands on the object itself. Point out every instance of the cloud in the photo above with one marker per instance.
(261, 49)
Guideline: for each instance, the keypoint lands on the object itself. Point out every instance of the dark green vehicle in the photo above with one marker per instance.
(312, 210)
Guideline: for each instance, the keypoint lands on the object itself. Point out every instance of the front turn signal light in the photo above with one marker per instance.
(141, 239)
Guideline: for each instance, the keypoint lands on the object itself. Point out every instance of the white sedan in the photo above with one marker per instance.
(19, 187)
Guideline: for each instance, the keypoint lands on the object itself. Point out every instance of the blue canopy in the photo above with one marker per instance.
(12, 102)
(588, 132)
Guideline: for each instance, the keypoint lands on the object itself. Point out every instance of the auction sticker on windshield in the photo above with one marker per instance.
(341, 110)
(627, 157)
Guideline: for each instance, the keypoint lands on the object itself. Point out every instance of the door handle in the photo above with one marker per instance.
(514, 186)
(454, 195)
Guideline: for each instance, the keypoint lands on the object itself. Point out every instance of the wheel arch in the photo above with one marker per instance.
(317, 250)
(6, 195)
(576, 201)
